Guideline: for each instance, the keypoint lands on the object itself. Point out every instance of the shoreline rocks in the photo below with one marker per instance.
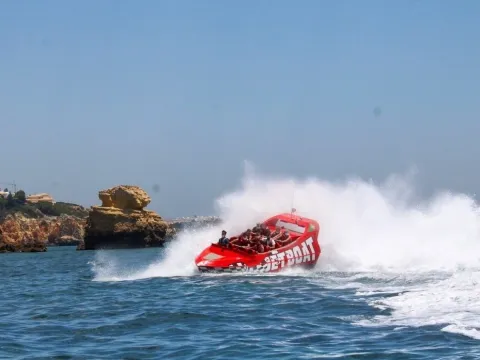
(122, 222)
(21, 234)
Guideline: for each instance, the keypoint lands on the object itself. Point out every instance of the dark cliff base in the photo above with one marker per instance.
(8, 248)
(125, 240)
(142, 239)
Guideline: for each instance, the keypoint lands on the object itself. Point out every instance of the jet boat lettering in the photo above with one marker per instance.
(299, 254)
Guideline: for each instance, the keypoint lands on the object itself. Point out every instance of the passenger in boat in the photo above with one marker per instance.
(245, 241)
(240, 241)
(237, 240)
(266, 231)
(271, 242)
(259, 247)
(257, 228)
(250, 240)
(254, 241)
(254, 236)
(268, 243)
(247, 234)
(223, 241)
(276, 233)
(284, 237)
(261, 229)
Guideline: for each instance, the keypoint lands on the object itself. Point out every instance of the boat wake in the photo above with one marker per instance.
(376, 239)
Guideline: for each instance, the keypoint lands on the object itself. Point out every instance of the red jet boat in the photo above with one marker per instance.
(302, 250)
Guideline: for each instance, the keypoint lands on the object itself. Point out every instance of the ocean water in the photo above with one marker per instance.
(56, 306)
(398, 278)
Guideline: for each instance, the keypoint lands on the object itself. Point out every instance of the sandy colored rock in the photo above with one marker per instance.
(66, 230)
(105, 198)
(21, 234)
(125, 197)
(122, 221)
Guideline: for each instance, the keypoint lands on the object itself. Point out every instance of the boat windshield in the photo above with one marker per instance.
(291, 226)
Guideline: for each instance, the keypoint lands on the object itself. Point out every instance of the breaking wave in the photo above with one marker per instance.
(425, 251)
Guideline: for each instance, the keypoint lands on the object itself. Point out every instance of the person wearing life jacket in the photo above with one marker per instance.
(223, 241)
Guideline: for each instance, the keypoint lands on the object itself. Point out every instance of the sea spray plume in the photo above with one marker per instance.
(177, 259)
(364, 226)
(418, 258)
(400, 189)
(180, 254)
(106, 268)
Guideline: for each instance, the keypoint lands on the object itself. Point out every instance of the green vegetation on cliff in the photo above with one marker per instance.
(60, 208)
(18, 204)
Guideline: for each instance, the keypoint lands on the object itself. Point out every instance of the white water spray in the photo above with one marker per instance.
(377, 229)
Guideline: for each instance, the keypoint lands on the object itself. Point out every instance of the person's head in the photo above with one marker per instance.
(224, 233)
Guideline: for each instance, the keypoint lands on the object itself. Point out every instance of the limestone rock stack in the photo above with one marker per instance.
(123, 222)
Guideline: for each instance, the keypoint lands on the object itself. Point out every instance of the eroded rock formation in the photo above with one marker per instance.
(21, 234)
(66, 230)
(123, 222)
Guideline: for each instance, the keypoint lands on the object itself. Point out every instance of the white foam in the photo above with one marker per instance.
(381, 229)
(453, 303)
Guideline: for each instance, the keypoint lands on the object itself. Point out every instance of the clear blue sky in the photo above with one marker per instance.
(180, 93)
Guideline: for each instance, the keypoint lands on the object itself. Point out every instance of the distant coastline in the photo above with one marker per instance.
(35, 222)
(36, 205)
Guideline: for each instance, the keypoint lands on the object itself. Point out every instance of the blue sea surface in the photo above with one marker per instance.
(53, 307)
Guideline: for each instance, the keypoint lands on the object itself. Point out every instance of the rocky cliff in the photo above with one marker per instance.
(123, 222)
(19, 233)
